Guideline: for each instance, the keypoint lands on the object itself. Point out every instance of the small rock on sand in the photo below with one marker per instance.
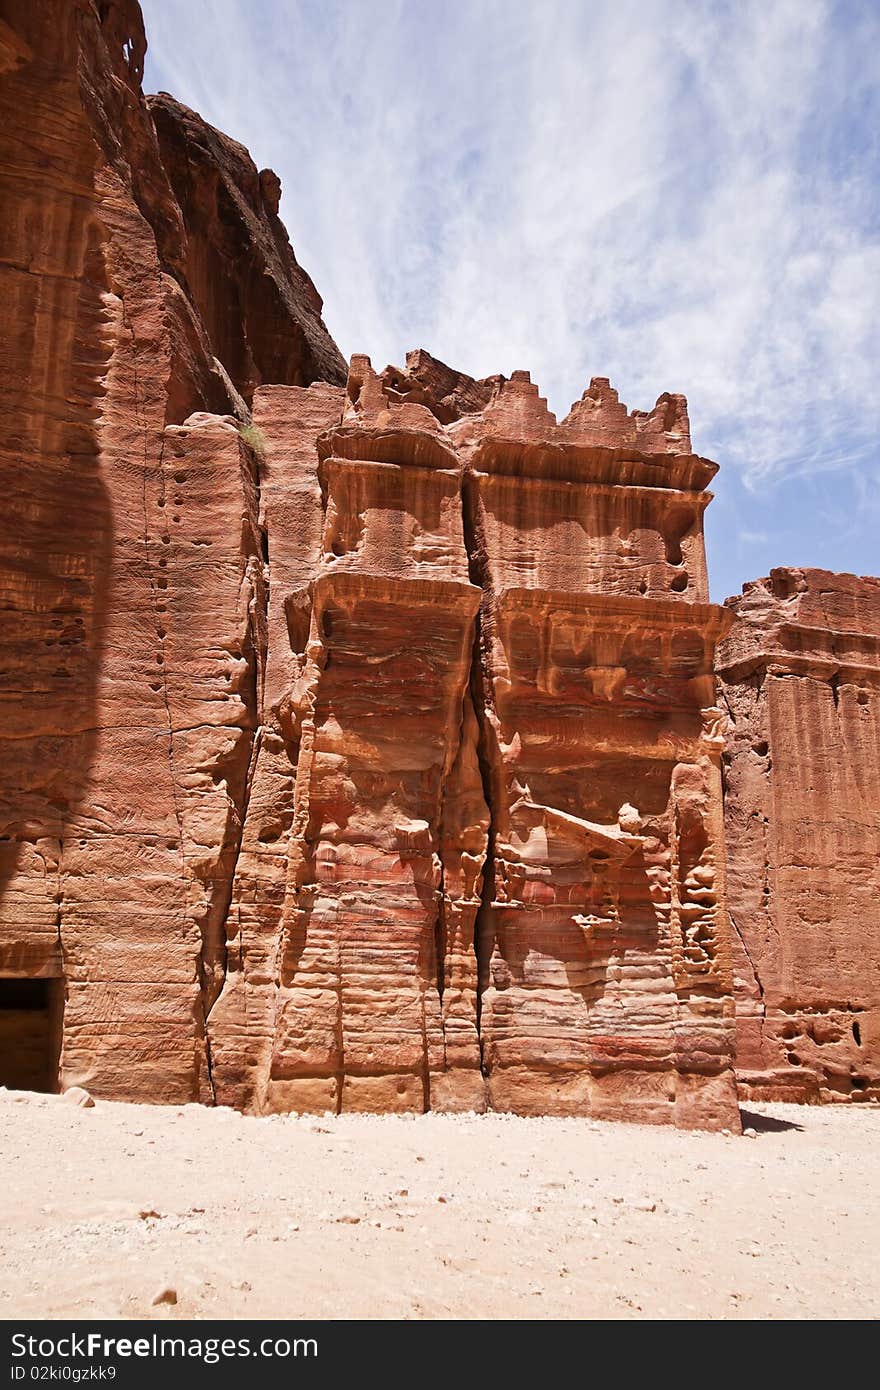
(78, 1095)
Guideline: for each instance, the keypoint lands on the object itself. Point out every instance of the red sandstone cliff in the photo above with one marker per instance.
(800, 674)
(132, 566)
(369, 757)
(482, 862)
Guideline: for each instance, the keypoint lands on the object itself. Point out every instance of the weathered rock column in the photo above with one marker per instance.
(605, 962)
(373, 980)
(800, 675)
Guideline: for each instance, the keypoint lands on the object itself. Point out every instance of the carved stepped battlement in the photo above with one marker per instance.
(504, 882)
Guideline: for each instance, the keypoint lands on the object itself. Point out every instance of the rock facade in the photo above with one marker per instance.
(361, 745)
(482, 861)
(800, 676)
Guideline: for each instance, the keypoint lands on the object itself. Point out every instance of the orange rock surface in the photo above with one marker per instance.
(482, 860)
(131, 563)
(800, 673)
(361, 745)
(356, 752)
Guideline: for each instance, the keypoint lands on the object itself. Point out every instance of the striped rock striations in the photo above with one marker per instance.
(131, 566)
(361, 745)
(482, 861)
(800, 676)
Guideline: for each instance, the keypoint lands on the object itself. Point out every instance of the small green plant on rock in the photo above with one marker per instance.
(253, 438)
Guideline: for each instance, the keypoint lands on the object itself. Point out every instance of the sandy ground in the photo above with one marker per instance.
(434, 1216)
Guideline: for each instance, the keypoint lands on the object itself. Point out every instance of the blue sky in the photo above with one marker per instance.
(681, 196)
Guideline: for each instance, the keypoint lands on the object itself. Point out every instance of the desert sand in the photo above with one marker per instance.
(434, 1216)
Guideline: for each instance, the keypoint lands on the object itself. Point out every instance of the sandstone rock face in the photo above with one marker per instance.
(801, 680)
(260, 309)
(132, 561)
(482, 860)
(360, 752)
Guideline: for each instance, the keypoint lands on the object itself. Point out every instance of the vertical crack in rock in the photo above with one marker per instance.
(484, 923)
(754, 969)
(478, 570)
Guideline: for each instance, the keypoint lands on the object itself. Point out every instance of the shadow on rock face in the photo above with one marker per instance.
(56, 534)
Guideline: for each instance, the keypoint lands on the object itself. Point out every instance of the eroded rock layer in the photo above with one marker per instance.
(801, 680)
(360, 747)
(131, 567)
(482, 861)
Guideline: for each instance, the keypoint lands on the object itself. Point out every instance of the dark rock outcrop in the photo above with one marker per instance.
(261, 311)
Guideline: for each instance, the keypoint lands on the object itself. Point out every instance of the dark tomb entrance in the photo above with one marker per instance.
(30, 1033)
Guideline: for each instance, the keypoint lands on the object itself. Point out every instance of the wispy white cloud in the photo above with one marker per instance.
(678, 195)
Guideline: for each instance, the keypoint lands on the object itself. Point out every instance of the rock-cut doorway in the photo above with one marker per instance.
(31, 1012)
